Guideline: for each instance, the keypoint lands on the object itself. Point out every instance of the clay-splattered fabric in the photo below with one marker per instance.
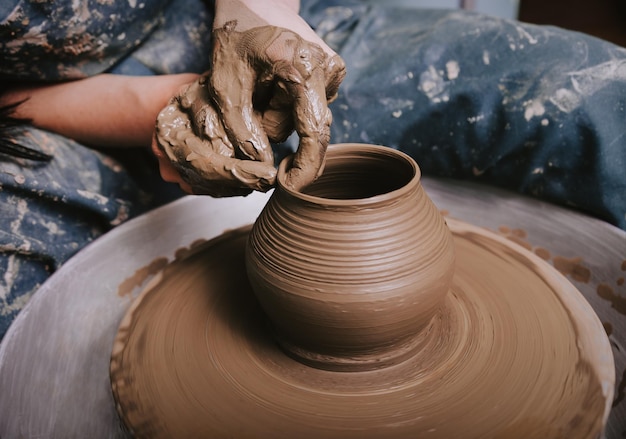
(50, 210)
(48, 213)
(535, 109)
(54, 40)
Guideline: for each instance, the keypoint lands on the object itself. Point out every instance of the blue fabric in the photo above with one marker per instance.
(53, 40)
(536, 109)
(49, 211)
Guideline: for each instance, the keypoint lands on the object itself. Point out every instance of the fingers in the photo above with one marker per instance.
(214, 137)
(193, 151)
(278, 124)
(335, 74)
(220, 176)
(304, 80)
(167, 170)
(231, 86)
(278, 118)
(312, 120)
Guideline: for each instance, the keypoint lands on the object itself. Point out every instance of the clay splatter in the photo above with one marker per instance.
(182, 253)
(140, 276)
(434, 85)
(518, 236)
(533, 109)
(520, 233)
(543, 253)
(618, 303)
(572, 267)
(143, 273)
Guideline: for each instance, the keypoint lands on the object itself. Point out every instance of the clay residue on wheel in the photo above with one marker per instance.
(142, 274)
(511, 354)
(139, 277)
(573, 267)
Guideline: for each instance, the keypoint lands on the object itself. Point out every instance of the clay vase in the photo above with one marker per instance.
(351, 269)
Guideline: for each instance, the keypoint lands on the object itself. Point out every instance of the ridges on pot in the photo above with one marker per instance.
(351, 269)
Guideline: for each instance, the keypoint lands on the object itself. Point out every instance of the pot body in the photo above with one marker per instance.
(351, 269)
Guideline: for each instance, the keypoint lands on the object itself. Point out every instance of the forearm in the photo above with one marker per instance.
(278, 13)
(105, 110)
(269, 11)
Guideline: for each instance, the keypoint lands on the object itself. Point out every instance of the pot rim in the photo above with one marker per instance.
(338, 148)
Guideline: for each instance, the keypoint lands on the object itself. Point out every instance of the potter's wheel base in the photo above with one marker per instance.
(520, 354)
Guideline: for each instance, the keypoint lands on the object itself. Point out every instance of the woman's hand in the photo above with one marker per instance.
(195, 152)
(272, 74)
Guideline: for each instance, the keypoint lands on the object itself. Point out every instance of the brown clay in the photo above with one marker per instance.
(215, 137)
(354, 266)
(195, 358)
(511, 350)
(572, 267)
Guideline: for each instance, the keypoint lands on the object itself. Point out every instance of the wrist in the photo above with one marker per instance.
(254, 13)
(279, 13)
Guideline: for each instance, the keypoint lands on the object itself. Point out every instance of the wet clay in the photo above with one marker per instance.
(618, 303)
(514, 352)
(217, 132)
(573, 267)
(351, 268)
(576, 268)
(127, 287)
(189, 131)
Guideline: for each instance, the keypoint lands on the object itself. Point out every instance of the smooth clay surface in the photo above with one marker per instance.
(353, 267)
(514, 352)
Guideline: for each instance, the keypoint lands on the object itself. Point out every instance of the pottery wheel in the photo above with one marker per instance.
(54, 361)
(512, 356)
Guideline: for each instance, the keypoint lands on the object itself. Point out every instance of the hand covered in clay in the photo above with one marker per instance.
(191, 136)
(266, 81)
(279, 68)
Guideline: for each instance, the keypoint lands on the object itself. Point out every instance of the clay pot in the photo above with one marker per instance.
(351, 269)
